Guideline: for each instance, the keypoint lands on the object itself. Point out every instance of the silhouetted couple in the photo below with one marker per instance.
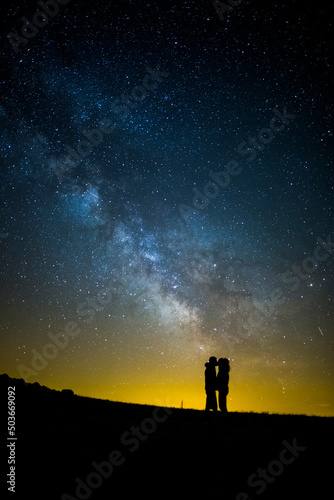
(215, 383)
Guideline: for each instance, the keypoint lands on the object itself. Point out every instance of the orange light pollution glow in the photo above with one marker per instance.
(169, 370)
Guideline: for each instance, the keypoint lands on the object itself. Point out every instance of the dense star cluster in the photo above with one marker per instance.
(167, 188)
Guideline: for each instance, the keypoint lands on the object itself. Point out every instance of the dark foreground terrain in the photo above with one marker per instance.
(70, 447)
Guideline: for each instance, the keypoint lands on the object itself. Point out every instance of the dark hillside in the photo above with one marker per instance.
(75, 447)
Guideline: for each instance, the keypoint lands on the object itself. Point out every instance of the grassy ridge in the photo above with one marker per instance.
(167, 451)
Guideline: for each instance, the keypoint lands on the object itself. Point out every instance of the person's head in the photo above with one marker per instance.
(213, 361)
(224, 364)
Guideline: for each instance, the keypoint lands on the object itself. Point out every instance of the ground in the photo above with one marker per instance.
(71, 447)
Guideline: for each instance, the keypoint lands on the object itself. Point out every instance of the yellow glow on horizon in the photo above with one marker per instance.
(245, 398)
(162, 376)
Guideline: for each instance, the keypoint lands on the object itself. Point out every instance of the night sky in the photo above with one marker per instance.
(167, 196)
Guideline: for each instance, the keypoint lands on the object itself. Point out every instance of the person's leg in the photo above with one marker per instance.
(223, 406)
(214, 401)
(222, 402)
(207, 403)
(211, 401)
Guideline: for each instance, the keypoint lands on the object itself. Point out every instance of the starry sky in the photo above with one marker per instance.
(167, 195)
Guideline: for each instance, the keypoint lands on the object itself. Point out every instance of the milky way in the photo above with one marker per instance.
(167, 186)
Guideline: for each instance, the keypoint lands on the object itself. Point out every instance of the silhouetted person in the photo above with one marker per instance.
(223, 378)
(210, 384)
